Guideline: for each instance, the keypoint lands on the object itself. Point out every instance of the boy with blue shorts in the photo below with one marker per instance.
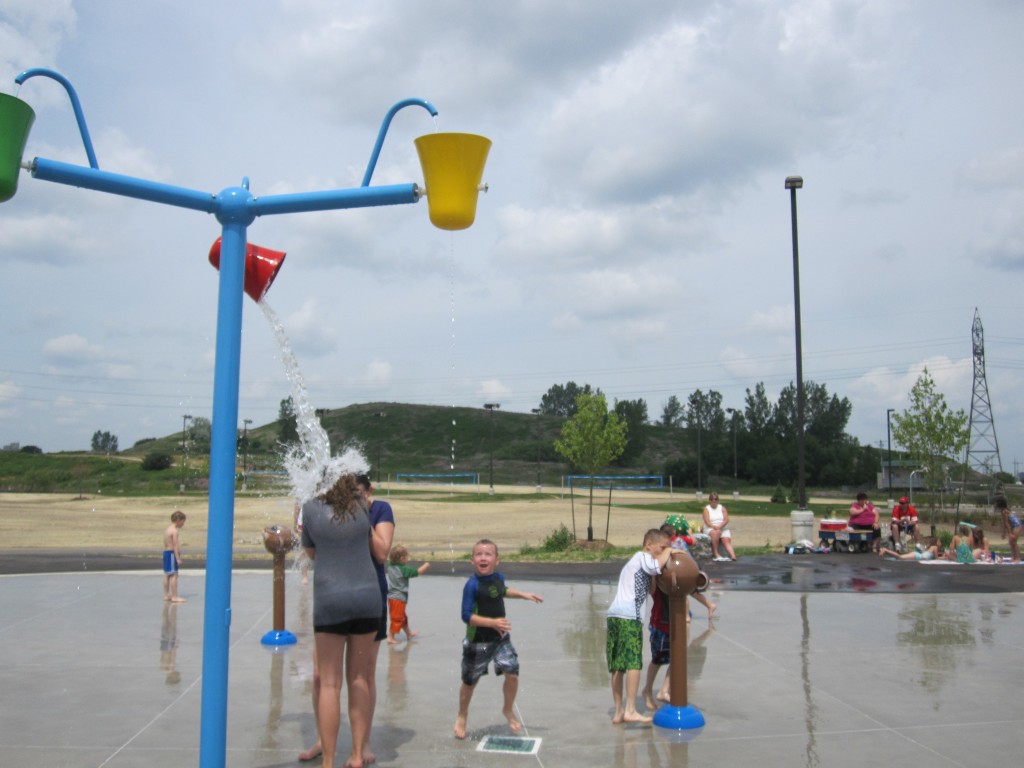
(625, 624)
(487, 638)
(172, 557)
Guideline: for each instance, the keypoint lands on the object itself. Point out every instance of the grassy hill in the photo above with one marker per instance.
(407, 438)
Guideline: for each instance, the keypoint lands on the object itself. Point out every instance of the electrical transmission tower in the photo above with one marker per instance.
(983, 447)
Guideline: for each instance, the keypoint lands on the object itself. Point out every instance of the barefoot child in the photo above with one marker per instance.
(172, 557)
(1011, 527)
(625, 624)
(659, 628)
(399, 572)
(487, 634)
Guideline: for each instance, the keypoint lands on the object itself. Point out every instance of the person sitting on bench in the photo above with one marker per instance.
(904, 520)
(864, 517)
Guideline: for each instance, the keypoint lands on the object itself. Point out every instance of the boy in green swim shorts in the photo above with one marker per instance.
(625, 624)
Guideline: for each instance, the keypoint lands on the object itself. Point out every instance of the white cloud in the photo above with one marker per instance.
(1002, 169)
(493, 390)
(9, 390)
(72, 349)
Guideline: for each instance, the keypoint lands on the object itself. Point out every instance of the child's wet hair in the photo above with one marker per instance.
(486, 542)
(654, 535)
(177, 515)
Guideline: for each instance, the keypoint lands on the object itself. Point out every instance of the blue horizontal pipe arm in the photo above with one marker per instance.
(330, 200)
(75, 105)
(128, 186)
(384, 129)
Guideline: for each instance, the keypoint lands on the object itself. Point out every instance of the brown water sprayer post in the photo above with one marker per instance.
(679, 578)
(278, 541)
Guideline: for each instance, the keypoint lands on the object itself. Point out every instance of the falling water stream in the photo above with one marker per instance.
(451, 464)
(310, 466)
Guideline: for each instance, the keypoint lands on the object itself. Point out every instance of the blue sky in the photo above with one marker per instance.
(636, 235)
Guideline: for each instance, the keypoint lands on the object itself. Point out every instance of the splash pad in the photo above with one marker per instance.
(235, 209)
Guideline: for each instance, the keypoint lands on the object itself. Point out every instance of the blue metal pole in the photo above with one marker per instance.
(335, 199)
(76, 105)
(384, 130)
(235, 218)
(118, 184)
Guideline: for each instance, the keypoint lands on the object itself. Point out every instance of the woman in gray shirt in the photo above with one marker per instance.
(346, 611)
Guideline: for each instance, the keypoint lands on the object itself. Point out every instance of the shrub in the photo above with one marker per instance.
(558, 540)
(156, 461)
(31, 449)
(779, 495)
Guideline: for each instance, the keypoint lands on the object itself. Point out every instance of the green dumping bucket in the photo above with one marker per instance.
(15, 122)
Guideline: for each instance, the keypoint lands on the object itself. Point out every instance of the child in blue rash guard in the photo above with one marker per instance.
(487, 634)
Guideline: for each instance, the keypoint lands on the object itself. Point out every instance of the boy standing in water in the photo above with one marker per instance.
(399, 572)
(172, 557)
(487, 634)
(625, 644)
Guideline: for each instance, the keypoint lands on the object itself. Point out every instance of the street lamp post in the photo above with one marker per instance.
(732, 417)
(380, 443)
(888, 437)
(184, 464)
(536, 412)
(492, 407)
(700, 457)
(802, 527)
(916, 471)
(245, 451)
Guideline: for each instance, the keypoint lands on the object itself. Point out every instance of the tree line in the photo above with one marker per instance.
(755, 442)
(759, 442)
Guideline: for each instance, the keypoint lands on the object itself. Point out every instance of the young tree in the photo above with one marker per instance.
(561, 400)
(200, 431)
(287, 422)
(933, 434)
(706, 420)
(634, 413)
(672, 414)
(104, 442)
(591, 440)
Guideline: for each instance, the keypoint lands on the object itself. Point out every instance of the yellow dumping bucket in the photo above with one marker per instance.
(16, 119)
(453, 165)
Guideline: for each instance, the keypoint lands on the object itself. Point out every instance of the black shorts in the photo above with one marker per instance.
(350, 627)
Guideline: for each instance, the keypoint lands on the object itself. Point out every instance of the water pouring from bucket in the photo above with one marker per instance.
(453, 166)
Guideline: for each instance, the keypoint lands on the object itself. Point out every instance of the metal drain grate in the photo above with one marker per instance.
(516, 745)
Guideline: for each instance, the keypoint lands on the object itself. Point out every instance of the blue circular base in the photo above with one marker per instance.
(679, 718)
(279, 637)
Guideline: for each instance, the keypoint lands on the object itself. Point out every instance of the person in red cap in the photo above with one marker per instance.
(904, 519)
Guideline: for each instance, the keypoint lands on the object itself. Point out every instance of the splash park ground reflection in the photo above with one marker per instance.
(782, 677)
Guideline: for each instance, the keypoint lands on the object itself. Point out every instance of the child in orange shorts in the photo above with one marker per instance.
(399, 572)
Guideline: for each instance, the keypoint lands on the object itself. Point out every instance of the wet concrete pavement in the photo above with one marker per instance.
(815, 660)
(833, 572)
